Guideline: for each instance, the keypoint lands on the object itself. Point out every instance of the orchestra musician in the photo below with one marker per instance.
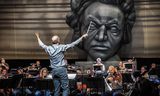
(142, 86)
(121, 67)
(1, 68)
(32, 67)
(114, 80)
(4, 67)
(144, 72)
(6, 91)
(38, 65)
(99, 67)
(19, 90)
(4, 74)
(154, 70)
(4, 64)
(42, 75)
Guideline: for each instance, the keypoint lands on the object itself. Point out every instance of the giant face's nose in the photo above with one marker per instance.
(100, 36)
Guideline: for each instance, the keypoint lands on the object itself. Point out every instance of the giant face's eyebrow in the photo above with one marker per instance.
(94, 19)
(112, 21)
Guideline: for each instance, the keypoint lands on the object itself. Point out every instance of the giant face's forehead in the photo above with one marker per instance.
(103, 12)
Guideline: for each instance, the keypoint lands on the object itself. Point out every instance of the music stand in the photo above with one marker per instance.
(22, 83)
(28, 83)
(6, 83)
(17, 80)
(44, 84)
(11, 82)
(72, 81)
(127, 78)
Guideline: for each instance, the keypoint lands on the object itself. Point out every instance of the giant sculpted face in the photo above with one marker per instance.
(106, 32)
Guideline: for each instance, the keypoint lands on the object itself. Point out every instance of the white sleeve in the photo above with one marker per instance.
(41, 44)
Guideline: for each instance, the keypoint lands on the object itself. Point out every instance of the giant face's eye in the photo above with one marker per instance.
(114, 30)
(93, 26)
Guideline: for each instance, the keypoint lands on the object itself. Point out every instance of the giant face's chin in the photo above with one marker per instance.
(102, 52)
(98, 53)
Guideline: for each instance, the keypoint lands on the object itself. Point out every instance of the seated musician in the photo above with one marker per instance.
(144, 72)
(32, 67)
(1, 68)
(71, 68)
(98, 68)
(4, 64)
(143, 86)
(38, 65)
(154, 70)
(4, 75)
(121, 67)
(114, 79)
(19, 90)
(42, 75)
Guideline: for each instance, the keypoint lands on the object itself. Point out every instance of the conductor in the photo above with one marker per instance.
(57, 62)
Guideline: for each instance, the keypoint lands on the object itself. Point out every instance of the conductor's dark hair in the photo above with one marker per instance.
(78, 7)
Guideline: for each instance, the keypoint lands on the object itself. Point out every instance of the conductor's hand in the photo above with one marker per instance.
(84, 35)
